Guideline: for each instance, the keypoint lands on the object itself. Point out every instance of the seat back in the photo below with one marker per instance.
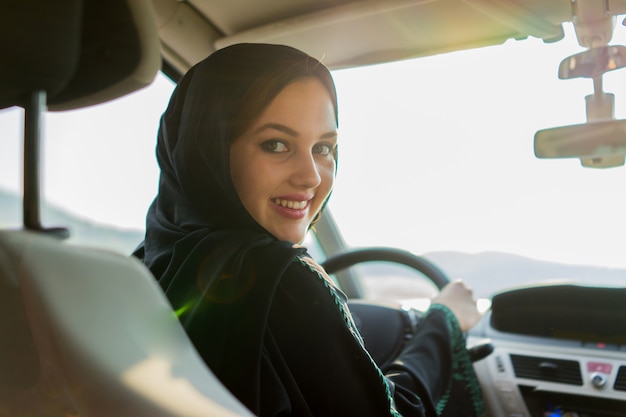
(90, 333)
(86, 332)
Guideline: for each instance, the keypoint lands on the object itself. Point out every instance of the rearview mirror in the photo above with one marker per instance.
(593, 62)
(603, 141)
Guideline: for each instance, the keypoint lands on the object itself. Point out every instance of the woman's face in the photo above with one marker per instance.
(283, 166)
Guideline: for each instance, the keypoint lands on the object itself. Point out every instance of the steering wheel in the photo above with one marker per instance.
(385, 329)
(348, 259)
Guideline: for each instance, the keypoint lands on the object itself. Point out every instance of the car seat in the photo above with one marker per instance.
(85, 332)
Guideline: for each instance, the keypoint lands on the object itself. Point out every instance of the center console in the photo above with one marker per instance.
(559, 351)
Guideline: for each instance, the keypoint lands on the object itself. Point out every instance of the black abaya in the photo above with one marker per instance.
(267, 321)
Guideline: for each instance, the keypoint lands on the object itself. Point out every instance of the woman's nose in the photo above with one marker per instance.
(305, 171)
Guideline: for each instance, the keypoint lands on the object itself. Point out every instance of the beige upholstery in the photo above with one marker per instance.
(88, 332)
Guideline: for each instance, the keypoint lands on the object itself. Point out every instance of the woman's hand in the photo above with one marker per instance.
(458, 297)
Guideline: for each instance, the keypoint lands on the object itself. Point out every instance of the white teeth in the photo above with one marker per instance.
(296, 205)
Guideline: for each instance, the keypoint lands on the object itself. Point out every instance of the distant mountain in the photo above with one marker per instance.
(485, 272)
(82, 231)
(488, 270)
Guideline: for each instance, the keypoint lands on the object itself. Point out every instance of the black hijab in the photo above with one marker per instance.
(212, 105)
(201, 244)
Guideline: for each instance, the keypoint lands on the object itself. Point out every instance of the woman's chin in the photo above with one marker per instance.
(293, 236)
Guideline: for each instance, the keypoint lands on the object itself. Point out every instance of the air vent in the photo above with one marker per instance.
(620, 381)
(547, 369)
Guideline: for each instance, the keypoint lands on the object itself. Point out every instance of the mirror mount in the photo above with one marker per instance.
(593, 22)
(600, 105)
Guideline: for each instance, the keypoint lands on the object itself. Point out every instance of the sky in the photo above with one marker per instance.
(435, 154)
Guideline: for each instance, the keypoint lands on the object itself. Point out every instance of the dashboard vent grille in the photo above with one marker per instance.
(620, 381)
(547, 369)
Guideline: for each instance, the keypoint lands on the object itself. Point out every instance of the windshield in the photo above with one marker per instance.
(436, 157)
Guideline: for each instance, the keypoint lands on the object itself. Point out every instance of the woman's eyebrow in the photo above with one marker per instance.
(289, 131)
(279, 127)
(330, 135)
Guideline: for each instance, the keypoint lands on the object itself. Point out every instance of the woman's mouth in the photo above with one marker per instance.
(291, 204)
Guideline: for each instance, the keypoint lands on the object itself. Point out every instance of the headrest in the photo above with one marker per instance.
(81, 52)
(39, 43)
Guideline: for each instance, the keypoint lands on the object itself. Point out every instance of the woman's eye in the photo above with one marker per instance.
(275, 146)
(323, 149)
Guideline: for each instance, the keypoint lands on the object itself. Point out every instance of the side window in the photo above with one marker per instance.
(99, 171)
(11, 121)
(314, 248)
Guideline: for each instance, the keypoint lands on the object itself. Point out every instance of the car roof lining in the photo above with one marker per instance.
(412, 28)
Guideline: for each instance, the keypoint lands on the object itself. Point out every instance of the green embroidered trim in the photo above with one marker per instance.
(462, 367)
(353, 329)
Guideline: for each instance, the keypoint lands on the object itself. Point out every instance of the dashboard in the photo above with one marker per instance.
(559, 350)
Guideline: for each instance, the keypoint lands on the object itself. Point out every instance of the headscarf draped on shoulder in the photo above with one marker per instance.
(198, 232)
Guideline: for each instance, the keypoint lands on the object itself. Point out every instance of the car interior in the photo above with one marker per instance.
(73, 344)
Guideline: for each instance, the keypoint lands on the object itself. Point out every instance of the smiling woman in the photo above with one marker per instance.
(283, 166)
(247, 156)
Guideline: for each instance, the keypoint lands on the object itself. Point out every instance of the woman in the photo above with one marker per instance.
(248, 152)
